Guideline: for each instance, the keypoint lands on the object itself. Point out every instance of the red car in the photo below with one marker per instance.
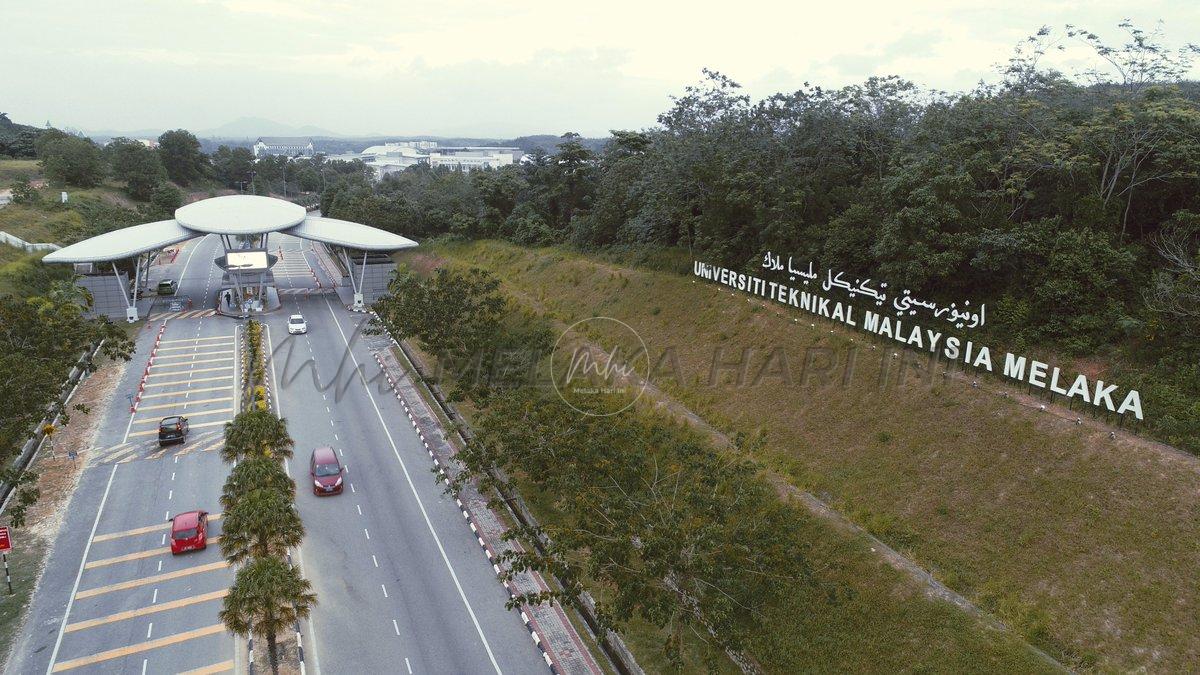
(189, 532)
(325, 471)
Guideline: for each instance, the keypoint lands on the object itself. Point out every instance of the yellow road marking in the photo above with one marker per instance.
(204, 346)
(174, 357)
(194, 370)
(185, 404)
(140, 647)
(194, 426)
(184, 391)
(184, 370)
(146, 581)
(134, 613)
(144, 530)
(104, 562)
(194, 379)
(223, 667)
(214, 337)
(190, 414)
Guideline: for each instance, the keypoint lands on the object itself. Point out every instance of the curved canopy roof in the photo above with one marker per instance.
(240, 214)
(124, 243)
(348, 234)
(232, 215)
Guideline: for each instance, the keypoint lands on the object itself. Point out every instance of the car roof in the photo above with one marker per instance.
(325, 455)
(296, 316)
(171, 420)
(186, 520)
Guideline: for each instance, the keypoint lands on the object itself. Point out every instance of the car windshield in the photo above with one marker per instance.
(170, 426)
(297, 319)
(184, 534)
(328, 470)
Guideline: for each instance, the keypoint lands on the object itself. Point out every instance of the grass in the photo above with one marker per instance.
(864, 616)
(12, 170)
(1084, 544)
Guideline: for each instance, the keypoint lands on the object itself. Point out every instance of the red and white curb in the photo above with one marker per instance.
(137, 398)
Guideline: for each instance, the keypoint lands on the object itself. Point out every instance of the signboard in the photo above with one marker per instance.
(5, 540)
(176, 304)
(246, 261)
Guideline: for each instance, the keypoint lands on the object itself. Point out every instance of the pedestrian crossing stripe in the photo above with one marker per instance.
(149, 449)
(192, 314)
(306, 291)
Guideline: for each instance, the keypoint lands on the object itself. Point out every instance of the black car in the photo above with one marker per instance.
(172, 430)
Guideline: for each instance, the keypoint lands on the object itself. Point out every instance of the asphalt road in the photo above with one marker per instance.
(401, 583)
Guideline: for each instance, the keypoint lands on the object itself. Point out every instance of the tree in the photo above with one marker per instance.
(166, 198)
(253, 474)
(70, 160)
(256, 433)
(262, 522)
(181, 156)
(233, 167)
(137, 165)
(268, 596)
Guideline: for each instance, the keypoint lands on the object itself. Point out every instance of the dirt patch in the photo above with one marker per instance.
(287, 649)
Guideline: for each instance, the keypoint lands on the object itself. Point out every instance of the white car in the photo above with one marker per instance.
(297, 325)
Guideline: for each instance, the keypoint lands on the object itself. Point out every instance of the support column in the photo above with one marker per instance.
(358, 305)
(131, 313)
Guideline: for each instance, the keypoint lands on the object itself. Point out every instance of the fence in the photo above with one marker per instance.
(20, 243)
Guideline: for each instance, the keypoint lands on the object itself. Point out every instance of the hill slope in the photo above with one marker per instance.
(1083, 543)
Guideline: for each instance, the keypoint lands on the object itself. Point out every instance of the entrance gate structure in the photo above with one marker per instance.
(244, 224)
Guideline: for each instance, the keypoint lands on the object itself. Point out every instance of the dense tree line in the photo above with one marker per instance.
(1069, 206)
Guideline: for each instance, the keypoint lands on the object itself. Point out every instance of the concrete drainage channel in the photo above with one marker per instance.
(561, 653)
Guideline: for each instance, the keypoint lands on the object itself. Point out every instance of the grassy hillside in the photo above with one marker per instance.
(16, 169)
(1084, 544)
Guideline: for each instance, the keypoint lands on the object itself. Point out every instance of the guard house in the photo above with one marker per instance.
(244, 224)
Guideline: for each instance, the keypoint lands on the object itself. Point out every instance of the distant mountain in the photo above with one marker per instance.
(253, 127)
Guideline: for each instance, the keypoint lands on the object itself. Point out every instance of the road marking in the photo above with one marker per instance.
(149, 630)
(185, 391)
(140, 647)
(145, 530)
(374, 560)
(139, 555)
(366, 533)
(397, 627)
(408, 665)
(194, 370)
(384, 590)
(359, 509)
(194, 379)
(78, 575)
(222, 667)
(194, 426)
(146, 581)
(193, 340)
(145, 611)
(352, 488)
(180, 357)
(211, 344)
(185, 404)
(184, 370)
(412, 486)
(190, 414)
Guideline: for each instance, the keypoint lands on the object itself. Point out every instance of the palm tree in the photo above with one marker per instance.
(256, 433)
(268, 596)
(260, 472)
(262, 523)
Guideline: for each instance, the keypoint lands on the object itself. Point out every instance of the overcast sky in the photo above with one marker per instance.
(500, 69)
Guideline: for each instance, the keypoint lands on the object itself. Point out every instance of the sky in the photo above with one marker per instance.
(502, 68)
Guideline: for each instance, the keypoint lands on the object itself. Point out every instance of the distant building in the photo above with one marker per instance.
(283, 146)
(393, 157)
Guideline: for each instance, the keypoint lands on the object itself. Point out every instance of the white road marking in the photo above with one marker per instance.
(397, 627)
(170, 494)
(412, 487)
(352, 488)
(154, 599)
(159, 565)
(78, 575)
(384, 590)
(366, 533)
(408, 665)
(172, 475)
(374, 560)
(359, 509)
(149, 630)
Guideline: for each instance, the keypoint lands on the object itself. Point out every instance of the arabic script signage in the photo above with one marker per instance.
(894, 323)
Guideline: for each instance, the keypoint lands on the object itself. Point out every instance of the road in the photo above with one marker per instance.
(401, 583)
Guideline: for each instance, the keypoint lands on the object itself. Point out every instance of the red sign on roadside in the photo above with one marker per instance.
(5, 540)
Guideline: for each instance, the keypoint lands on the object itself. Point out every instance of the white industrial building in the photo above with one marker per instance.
(394, 157)
(283, 145)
